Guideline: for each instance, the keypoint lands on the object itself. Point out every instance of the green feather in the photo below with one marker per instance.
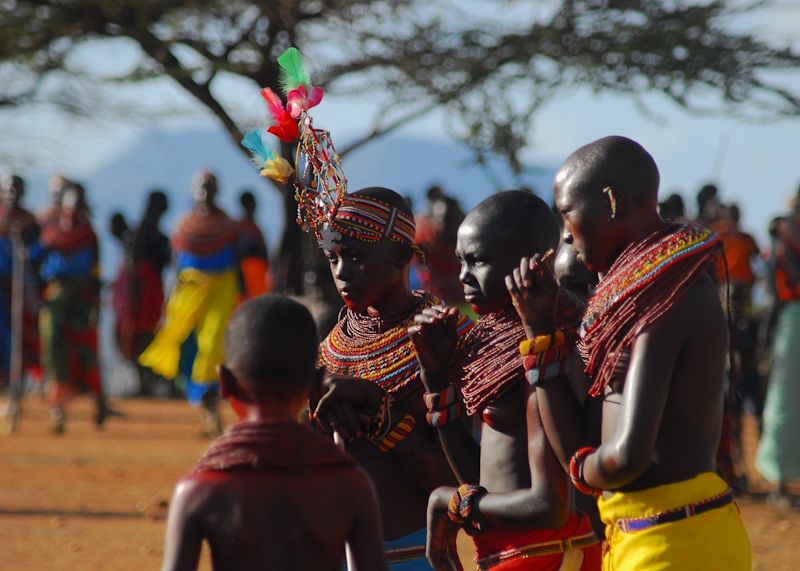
(293, 70)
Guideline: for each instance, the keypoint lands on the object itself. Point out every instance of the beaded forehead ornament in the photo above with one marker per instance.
(323, 204)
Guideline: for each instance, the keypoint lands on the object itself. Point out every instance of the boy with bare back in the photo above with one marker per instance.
(270, 493)
(514, 496)
(654, 342)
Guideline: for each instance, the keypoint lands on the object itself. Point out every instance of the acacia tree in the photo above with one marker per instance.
(488, 74)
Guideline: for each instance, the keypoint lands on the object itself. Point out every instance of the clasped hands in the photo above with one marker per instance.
(346, 406)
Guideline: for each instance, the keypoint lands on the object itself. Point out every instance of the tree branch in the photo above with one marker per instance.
(379, 131)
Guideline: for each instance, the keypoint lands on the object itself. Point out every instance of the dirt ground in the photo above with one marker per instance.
(94, 499)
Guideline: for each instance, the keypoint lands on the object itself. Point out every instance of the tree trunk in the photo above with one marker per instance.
(289, 265)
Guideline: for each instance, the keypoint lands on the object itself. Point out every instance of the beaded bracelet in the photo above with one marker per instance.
(542, 343)
(546, 358)
(463, 510)
(546, 365)
(440, 400)
(444, 416)
(398, 433)
(576, 471)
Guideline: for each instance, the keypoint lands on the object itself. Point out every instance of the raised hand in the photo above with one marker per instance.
(533, 290)
(434, 334)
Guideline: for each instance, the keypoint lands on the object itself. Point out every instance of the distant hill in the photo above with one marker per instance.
(168, 158)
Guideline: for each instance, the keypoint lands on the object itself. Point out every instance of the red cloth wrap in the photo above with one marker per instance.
(496, 540)
(69, 235)
(204, 231)
(272, 446)
(16, 216)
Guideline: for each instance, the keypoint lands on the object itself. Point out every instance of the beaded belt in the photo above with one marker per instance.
(401, 554)
(538, 550)
(677, 514)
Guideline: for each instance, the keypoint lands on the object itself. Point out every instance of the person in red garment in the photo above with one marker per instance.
(70, 307)
(271, 494)
(252, 251)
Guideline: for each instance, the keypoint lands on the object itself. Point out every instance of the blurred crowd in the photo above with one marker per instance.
(50, 292)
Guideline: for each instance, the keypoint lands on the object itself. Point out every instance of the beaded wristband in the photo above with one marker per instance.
(440, 400)
(576, 471)
(462, 508)
(542, 343)
(444, 416)
(546, 365)
(544, 359)
(397, 434)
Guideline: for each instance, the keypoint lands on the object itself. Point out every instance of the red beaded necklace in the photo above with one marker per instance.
(645, 281)
(491, 363)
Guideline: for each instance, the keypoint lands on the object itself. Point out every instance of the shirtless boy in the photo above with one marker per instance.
(514, 497)
(373, 394)
(270, 493)
(654, 341)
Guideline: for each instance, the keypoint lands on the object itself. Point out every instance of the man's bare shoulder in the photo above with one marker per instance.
(698, 307)
(701, 306)
(196, 487)
(696, 315)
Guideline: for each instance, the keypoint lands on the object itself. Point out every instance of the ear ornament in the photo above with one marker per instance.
(612, 201)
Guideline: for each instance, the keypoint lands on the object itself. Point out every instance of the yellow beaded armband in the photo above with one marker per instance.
(542, 343)
(398, 433)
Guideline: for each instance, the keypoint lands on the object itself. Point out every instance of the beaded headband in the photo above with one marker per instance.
(323, 204)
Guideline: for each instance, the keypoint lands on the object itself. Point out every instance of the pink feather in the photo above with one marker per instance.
(274, 104)
(298, 100)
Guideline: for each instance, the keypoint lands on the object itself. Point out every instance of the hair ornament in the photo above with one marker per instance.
(320, 184)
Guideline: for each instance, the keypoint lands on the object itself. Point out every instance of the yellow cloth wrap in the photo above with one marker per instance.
(201, 302)
(716, 539)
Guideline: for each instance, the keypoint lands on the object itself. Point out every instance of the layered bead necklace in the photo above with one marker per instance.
(378, 349)
(644, 282)
(491, 362)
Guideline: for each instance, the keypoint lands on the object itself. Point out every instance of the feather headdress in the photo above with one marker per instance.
(320, 183)
(272, 165)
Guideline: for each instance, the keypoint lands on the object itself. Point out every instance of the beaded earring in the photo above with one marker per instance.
(612, 201)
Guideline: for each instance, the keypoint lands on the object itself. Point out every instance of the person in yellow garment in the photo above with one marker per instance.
(654, 342)
(204, 296)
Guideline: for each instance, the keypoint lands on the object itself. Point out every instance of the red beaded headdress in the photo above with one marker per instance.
(323, 204)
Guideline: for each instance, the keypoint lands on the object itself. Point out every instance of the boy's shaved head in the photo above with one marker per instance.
(271, 345)
(618, 162)
(493, 238)
(519, 217)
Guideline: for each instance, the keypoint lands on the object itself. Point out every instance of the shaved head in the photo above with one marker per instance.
(271, 344)
(519, 217)
(616, 162)
(494, 237)
(607, 194)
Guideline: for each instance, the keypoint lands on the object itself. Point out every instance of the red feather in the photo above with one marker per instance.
(274, 104)
(286, 130)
